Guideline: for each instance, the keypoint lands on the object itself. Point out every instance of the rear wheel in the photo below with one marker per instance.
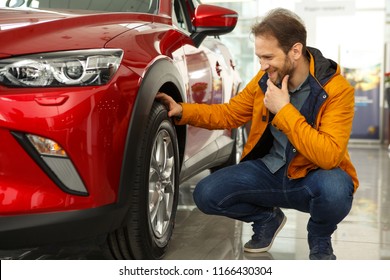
(154, 193)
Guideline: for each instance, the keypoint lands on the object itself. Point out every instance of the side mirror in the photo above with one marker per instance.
(211, 20)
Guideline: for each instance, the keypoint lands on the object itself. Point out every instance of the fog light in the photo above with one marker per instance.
(56, 159)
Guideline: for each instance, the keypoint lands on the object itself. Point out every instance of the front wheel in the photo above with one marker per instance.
(154, 193)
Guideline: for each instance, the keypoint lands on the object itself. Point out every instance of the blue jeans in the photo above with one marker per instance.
(249, 192)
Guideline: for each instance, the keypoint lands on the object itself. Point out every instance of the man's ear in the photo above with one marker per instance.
(296, 50)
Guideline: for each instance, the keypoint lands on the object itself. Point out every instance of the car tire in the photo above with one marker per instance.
(153, 200)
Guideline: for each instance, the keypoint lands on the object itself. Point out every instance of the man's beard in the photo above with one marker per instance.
(287, 69)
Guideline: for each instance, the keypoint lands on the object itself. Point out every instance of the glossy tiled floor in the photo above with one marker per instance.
(363, 235)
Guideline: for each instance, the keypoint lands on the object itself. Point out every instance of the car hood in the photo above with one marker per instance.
(31, 31)
(14, 18)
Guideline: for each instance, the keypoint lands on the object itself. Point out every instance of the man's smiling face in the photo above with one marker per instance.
(272, 58)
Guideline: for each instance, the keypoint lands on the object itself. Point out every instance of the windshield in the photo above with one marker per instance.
(135, 6)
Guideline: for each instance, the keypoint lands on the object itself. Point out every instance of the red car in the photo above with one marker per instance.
(86, 151)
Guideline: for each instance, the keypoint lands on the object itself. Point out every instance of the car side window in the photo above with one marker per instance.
(179, 17)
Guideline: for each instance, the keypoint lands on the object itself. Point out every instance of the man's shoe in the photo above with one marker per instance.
(265, 234)
(321, 248)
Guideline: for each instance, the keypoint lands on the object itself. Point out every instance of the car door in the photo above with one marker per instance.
(204, 84)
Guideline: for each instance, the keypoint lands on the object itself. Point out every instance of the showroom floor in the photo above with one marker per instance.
(363, 235)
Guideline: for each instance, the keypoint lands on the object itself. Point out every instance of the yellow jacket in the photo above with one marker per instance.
(318, 134)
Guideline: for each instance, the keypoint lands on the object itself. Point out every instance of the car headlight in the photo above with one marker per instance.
(59, 69)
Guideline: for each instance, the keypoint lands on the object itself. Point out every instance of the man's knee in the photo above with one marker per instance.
(202, 196)
(333, 189)
(333, 183)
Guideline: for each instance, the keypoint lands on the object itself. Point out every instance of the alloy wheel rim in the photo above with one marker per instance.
(161, 183)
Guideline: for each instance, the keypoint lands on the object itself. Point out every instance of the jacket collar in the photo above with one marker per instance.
(321, 68)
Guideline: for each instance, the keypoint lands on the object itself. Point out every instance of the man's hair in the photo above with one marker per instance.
(285, 26)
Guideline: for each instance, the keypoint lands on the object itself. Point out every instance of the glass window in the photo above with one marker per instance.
(179, 17)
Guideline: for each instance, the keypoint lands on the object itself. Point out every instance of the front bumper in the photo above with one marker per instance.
(26, 231)
(90, 123)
